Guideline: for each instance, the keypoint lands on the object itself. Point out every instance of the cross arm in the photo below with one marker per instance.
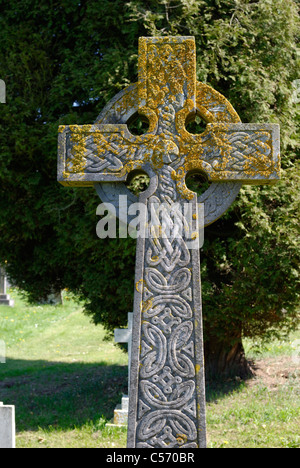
(88, 154)
(122, 335)
(249, 153)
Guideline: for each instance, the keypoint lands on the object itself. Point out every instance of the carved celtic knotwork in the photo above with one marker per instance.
(153, 350)
(178, 396)
(167, 428)
(176, 304)
(166, 377)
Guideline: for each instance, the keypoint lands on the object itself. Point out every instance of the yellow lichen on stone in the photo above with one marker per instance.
(167, 69)
(140, 286)
(78, 139)
(147, 305)
(168, 95)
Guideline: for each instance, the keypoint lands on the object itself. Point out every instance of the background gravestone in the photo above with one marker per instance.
(4, 297)
(7, 426)
(123, 335)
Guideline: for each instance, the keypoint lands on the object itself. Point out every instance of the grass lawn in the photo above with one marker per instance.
(65, 380)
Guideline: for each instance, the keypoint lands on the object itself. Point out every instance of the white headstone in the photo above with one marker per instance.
(7, 426)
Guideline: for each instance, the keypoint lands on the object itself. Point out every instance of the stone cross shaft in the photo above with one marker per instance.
(167, 391)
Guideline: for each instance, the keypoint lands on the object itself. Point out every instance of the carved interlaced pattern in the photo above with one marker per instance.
(243, 152)
(167, 405)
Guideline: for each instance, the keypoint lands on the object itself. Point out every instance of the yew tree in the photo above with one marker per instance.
(62, 61)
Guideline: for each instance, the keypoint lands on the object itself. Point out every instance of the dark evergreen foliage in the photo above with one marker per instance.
(62, 61)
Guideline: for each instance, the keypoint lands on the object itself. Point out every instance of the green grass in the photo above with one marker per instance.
(256, 417)
(63, 377)
(65, 380)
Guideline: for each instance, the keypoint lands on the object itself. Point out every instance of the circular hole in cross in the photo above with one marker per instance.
(197, 181)
(195, 124)
(138, 124)
(137, 181)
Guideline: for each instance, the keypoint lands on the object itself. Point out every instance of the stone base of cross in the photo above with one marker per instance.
(167, 388)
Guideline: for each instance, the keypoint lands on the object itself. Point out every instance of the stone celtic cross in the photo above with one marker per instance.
(167, 397)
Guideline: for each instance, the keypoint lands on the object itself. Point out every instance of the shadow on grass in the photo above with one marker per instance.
(69, 395)
(216, 390)
(61, 395)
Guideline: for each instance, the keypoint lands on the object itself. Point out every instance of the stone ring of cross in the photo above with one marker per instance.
(211, 106)
(228, 153)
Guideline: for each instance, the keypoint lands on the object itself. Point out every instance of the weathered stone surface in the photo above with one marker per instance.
(167, 391)
(7, 426)
(237, 152)
(120, 413)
